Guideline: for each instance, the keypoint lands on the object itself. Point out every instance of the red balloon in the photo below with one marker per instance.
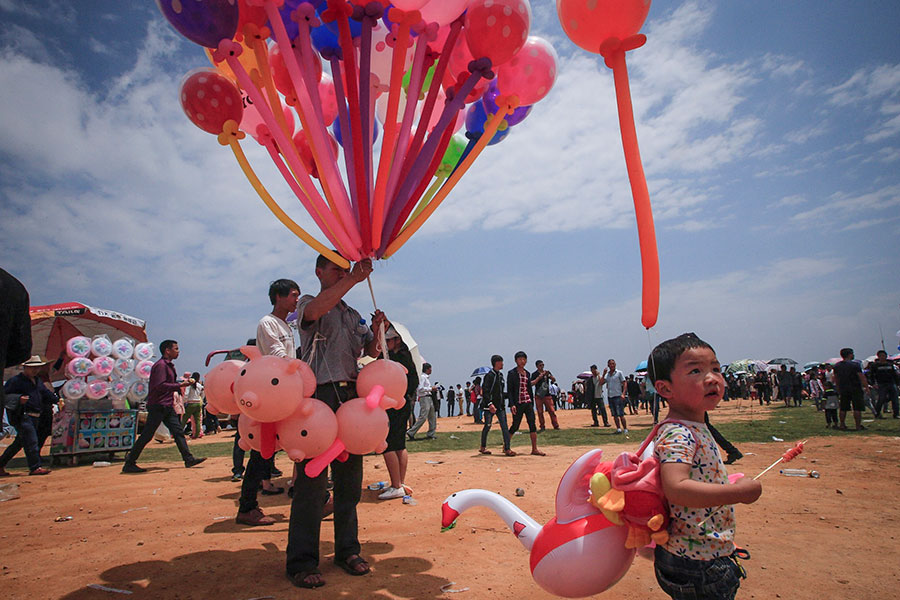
(280, 73)
(249, 14)
(589, 24)
(458, 63)
(210, 99)
(306, 154)
(497, 29)
(531, 73)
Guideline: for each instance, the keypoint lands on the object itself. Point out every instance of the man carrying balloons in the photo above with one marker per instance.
(332, 337)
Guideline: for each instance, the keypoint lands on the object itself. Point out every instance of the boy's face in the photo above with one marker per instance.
(520, 362)
(696, 384)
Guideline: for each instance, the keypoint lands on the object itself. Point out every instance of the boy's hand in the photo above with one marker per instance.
(747, 490)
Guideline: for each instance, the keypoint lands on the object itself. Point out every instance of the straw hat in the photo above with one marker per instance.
(35, 361)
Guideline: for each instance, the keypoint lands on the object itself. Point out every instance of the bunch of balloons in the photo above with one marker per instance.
(98, 368)
(610, 28)
(272, 396)
(414, 65)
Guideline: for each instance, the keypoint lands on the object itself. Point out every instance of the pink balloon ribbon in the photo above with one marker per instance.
(321, 148)
(321, 462)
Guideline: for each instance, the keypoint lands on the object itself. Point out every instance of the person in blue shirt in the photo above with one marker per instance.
(34, 397)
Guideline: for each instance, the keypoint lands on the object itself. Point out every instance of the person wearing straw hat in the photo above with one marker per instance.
(26, 398)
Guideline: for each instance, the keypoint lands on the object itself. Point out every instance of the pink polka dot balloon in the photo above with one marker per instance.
(531, 72)
(497, 29)
(103, 366)
(79, 367)
(143, 368)
(78, 346)
(210, 99)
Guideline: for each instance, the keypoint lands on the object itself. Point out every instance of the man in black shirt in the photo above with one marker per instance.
(493, 403)
(884, 376)
(850, 384)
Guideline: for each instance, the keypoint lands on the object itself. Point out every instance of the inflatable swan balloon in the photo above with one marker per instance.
(577, 553)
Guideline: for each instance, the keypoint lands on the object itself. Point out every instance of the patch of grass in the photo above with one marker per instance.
(789, 424)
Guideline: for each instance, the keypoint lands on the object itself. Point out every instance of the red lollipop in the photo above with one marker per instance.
(497, 29)
(210, 99)
(589, 24)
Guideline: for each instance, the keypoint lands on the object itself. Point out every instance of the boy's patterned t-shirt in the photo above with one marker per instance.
(691, 442)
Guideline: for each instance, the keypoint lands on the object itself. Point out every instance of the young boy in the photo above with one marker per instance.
(697, 562)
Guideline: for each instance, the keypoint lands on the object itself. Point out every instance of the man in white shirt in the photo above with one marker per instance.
(276, 338)
(426, 405)
(615, 391)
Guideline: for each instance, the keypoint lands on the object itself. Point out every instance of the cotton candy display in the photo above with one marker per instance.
(118, 389)
(124, 366)
(74, 389)
(78, 346)
(103, 366)
(144, 351)
(101, 346)
(142, 369)
(97, 388)
(138, 391)
(79, 367)
(123, 348)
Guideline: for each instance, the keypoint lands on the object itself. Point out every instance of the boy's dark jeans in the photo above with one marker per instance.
(688, 579)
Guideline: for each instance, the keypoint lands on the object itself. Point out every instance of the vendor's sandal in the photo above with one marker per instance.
(484, 451)
(509, 453)
(356, 565)
(302, 579)
(538, 453)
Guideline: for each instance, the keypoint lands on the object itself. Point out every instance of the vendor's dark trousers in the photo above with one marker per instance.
(727, 446)
(887, 395)
(597, 407)
(237, 455)
(258, 470)
(156, 414)
(27, 438)
(310, 495)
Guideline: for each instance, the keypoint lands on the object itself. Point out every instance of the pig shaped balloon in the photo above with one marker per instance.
(219, 384)
(389, 374)
(308, 432)
(256, 435)
(269, 388)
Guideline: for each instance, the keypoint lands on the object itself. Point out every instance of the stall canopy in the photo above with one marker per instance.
(53, 325)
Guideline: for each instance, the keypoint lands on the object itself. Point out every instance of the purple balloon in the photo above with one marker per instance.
(204, 22)
(490, 105)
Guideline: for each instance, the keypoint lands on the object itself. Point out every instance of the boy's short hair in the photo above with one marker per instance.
(281, 287)
(662, 359)
(495, 359)
(165, 345)
(322, 260)
(520, 354)
(593, 366)
(846, 352)
(426, 366)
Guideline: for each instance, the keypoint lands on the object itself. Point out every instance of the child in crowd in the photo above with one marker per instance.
(831, 402)
(698, 561)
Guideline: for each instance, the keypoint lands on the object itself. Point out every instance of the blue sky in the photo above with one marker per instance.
(770, 134)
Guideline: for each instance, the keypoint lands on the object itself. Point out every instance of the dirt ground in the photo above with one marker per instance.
(170, 533)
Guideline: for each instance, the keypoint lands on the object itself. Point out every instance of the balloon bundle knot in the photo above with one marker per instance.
(428, 30)
(230, 132)
(306, 12)
(507, 104)
(252, 31)
(336, 10)
(225, 49)
(372, 10)
(329, 53)
(481, 66)
(404, 17)
(612, 45)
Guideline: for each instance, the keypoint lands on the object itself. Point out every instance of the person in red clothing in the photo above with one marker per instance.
(160, 409)
(521, 399)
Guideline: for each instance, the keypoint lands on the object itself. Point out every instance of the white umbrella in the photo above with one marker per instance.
(411, 343)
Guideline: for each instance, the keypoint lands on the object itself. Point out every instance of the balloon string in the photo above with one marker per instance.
(490, 129)
(382, 341)
(390, 131)
(431, 100)
(328, 175)
(642, 209)
(282, 141)
(277, 211)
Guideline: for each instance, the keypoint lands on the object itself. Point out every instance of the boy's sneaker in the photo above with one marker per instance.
(391, 493)
(624, 431)
(618, 431)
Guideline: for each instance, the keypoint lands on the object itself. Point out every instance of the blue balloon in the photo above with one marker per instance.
(336, 131)
(290, 25)
(355, 26)
(489, 98)
(476, 117)
(323, 38)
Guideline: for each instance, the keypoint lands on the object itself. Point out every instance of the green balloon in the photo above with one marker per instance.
(454, 152)
(429, 75)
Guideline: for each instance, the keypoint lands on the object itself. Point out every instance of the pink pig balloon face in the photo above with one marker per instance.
(389, 374)
(218, 384)
(269, 388)
(308, 432)
(362, 429)
(251, 433)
